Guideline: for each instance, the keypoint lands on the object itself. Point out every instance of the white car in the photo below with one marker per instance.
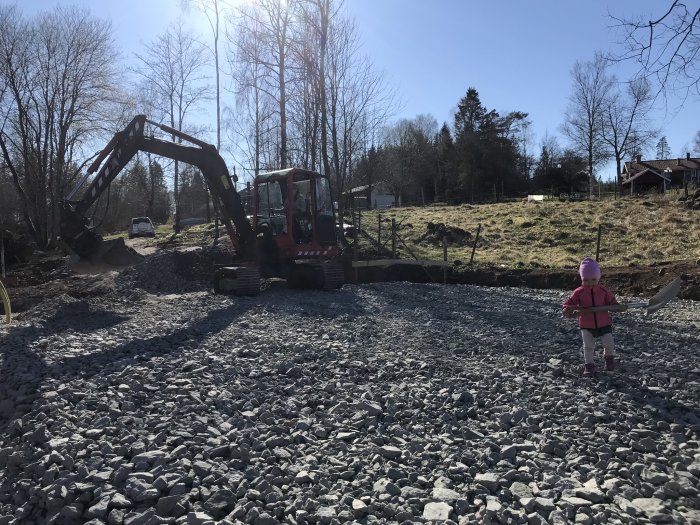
(141, 227)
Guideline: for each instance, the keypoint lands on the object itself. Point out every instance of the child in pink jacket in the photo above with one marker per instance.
(593, 325)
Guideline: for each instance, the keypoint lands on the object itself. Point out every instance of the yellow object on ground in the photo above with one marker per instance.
(5, 303)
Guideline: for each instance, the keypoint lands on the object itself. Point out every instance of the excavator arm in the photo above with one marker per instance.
(84, 241)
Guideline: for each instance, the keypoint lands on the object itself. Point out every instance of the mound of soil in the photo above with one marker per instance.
(639, 281)
(436, 232)
(48, 275)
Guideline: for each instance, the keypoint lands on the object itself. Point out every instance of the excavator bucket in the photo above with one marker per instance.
(109, 255)
(116, 253)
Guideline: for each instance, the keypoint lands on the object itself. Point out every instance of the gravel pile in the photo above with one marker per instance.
(385, 403)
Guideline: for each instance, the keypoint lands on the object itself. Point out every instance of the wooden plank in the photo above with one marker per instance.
(391, 262)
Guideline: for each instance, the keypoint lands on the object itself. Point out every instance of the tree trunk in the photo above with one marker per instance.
(323, 12)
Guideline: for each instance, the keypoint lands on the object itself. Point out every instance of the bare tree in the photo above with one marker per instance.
(352, 97)
(332, 98)
(667, 48)
(409, 144)
(587, 103)
(320, 21)
(173, 66)
(253, 122)
(214, 10)
(626, 124)
(360, 103)
(57, 71)
(696, 144)
(305, 106)
(271, 21)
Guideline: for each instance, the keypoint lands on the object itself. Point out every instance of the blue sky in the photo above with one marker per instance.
(517, 54)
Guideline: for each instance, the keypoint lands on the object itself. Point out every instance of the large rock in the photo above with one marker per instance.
(439, 511)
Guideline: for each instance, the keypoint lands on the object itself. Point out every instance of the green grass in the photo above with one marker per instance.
(548, 234)
(161, 230)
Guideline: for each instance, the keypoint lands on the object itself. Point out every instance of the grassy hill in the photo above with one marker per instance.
(550, 234)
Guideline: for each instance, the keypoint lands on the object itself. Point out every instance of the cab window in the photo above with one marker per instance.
(271, 209)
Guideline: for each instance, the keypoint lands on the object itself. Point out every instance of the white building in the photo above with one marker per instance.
(380, 197)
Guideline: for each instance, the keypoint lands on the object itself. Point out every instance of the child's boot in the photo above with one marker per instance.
(609, 363)
(588, 369)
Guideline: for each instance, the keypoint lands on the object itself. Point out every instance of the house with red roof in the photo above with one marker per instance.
(644, 176)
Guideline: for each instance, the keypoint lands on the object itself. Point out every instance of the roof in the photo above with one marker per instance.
(645, 172)
(378, 186)
(659, 166)
(272, 175)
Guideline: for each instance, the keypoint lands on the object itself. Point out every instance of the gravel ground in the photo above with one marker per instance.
(383, 403)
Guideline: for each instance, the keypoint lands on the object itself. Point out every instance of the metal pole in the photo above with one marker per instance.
(476, 239)
(597, 246)
(444, 258)
(2, 255)
(359, 219)
(355, 240)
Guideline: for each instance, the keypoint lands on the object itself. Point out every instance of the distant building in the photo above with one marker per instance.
(380, 197)
(642, 176)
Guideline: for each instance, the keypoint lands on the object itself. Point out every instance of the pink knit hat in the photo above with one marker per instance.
(589, 269)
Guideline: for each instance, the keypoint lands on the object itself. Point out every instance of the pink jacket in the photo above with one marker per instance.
(597, 295)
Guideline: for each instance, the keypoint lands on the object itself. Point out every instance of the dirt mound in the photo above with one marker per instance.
(638, 281)
(641, 281)
(436, 232)
(18, 247)
(48, 276)
(174, 271)
(692, 201)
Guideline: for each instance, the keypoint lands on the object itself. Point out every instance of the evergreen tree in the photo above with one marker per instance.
(193, 193)
(486, 150)
(469, 119)
(663, 151)
(159, 199)
(446, 176)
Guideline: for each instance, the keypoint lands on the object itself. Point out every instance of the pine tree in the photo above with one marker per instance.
(663, 151)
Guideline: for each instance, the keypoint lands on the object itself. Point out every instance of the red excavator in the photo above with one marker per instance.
(291, 233)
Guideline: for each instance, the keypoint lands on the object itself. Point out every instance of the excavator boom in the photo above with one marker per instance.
(291, 239)
(89, 245)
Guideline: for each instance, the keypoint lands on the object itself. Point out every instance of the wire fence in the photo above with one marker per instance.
(536, 240)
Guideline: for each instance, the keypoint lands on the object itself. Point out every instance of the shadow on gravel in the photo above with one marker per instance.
(310, 303)
(658, 406)
(23, 371)
(509, 329)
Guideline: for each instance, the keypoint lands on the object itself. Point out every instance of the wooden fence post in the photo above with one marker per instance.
(444, 258)
(393, 238)
(359, 219)
(379, 229)
(356, 240)
(476, 239)
(597, 246)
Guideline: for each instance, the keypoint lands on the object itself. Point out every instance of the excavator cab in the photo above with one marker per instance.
(295, 206)
(295, 222)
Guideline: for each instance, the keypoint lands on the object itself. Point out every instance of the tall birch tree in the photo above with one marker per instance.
(174, 67)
